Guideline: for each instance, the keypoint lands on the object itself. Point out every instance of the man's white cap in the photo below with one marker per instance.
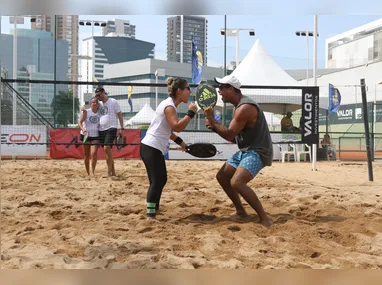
(229, 79)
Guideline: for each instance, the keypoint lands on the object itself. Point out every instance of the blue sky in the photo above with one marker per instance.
(276, 33)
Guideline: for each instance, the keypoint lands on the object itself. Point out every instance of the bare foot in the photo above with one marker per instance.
(152, 220)
(267, 223)
(241, 213)
(239, 216)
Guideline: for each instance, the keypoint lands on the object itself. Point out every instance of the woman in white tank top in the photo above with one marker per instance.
(154, 144)
(89, 124)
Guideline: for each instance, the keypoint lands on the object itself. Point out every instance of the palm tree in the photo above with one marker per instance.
(62, 105)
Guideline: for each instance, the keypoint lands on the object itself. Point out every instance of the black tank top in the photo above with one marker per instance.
(258, 137)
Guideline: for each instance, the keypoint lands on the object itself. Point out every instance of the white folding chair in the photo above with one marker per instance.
(286, 149)
(300, 149)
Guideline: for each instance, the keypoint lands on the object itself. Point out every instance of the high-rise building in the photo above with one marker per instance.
(67, 29)
(35, 48)
(109, 50)
(119, 27)
(181, 30)
(35, 60)
(356, 47)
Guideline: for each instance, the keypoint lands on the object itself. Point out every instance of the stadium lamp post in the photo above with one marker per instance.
(306, 34)
(71, 76)
(158, 72)
(78, 75)
(236, 32)
(15, 20)
(97, 24)
(315, 35)
(92, 23)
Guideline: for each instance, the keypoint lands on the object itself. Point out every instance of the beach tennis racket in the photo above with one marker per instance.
(206, 96)
(118, 142)
(201, 150)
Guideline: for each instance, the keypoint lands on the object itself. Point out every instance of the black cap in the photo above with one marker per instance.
(99, 89)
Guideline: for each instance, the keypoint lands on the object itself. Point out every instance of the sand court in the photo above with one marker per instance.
(54, 216)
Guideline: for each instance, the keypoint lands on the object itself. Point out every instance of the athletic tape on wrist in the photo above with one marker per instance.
(178, 141)
(190, 113)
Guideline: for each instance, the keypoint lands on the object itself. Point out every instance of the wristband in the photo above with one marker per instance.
(190, 113)
(178, 141)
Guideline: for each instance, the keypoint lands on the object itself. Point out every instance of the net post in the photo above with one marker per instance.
(367, 133)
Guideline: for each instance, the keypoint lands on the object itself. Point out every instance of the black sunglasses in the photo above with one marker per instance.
(187, 87)
(222, 86)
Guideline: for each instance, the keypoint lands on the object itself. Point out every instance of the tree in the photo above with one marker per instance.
(62, 105)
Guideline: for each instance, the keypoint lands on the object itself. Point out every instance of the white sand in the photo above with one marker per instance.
(54, 216)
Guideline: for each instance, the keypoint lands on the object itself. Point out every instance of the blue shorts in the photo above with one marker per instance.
(249, 160)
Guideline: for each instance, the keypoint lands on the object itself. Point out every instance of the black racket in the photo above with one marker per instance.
(206, 96)
(118, 142)
(201, 150)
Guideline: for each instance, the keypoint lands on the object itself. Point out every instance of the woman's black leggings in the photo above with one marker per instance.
(157, 173)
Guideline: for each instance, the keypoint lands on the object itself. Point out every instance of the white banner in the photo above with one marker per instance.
(23, 140)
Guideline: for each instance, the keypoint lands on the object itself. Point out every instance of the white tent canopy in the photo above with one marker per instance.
(258, 68)
(143, 117)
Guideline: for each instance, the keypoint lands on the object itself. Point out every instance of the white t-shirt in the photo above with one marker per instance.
(108, 112)
(91, 123)
(159, 132)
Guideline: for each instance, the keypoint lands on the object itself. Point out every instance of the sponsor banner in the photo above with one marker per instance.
(23, 140)
(65, 143)
(351, 114)
(310, 115)
(379, 112)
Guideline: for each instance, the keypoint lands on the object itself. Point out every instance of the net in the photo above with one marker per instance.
(43, 105)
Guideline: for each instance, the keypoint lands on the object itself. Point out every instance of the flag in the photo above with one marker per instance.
(129, 91)
(197, 64)
(96, 80)
(334, 99)
(217, 115)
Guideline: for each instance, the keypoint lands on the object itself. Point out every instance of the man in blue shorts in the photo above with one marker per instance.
(249, 130)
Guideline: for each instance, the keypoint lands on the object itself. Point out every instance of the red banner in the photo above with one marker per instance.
(65, 143)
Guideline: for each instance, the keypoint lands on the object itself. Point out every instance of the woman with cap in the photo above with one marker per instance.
(89, 135)
(154, 144)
